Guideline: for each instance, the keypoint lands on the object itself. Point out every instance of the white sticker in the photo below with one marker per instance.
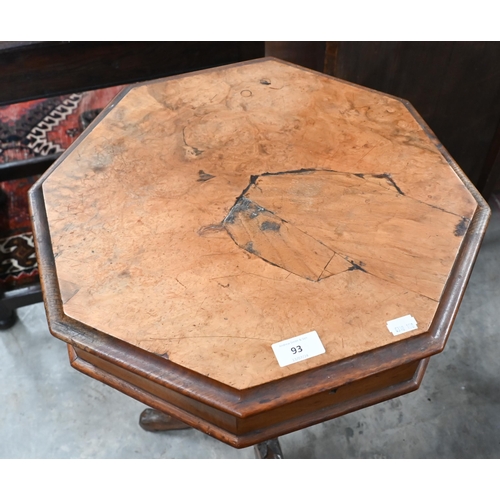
(298, 348)
(402, 325)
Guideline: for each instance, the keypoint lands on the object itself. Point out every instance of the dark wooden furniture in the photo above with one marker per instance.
(206, 217)
(32, 70)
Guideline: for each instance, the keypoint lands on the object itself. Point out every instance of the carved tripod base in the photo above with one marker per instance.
(268, 449)
(156, 421)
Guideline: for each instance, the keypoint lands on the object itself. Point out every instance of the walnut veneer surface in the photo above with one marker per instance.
(208, 216)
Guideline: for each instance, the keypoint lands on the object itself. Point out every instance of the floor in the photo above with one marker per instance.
(49, 410)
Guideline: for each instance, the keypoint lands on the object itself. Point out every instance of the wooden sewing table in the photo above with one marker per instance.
(255, 248)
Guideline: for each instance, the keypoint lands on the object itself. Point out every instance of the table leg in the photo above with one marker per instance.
(8, 316)
(268, 449)
(156, 421)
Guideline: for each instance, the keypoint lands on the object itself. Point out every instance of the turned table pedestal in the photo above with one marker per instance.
(255, 248)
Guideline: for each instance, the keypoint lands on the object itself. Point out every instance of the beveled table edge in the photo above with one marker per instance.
(247, 402)
(253, 437)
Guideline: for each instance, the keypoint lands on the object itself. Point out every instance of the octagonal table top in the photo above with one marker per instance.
(205, 217)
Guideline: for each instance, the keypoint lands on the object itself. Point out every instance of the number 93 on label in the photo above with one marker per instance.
(298, 348)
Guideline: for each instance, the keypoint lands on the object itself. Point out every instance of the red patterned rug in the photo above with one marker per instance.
(28, 130)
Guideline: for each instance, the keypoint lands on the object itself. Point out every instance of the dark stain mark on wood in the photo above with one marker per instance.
(244, 205)
(359, 266)
(390, 180)
(196, 151)
(461, 227)
(249, 248)
(270, 226)
(265, 81)
(203, 176)
(355, 267)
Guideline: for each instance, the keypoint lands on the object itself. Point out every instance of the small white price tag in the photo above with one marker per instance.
(298, 348)
(402, 325)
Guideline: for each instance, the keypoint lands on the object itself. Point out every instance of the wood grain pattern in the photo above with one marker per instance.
(151, 231)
